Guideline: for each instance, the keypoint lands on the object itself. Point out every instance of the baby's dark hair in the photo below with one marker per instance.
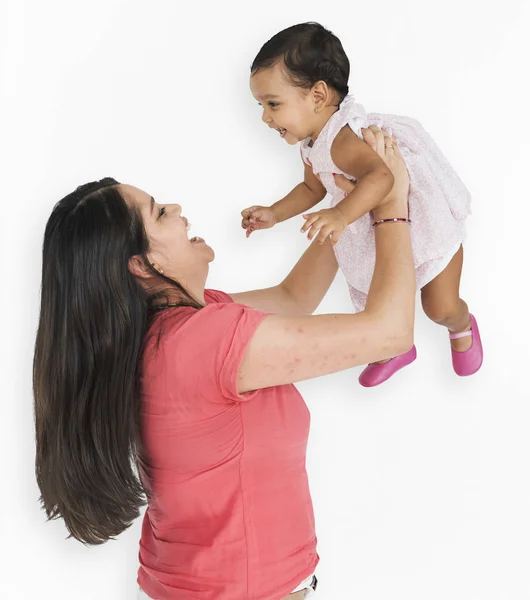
(310, 53)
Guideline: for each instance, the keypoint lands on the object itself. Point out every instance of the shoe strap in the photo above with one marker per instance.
(456, 336)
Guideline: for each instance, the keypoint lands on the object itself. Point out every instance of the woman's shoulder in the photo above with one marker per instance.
(200, 338)
(183, 322)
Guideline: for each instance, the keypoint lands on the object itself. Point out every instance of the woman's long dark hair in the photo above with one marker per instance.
(94, 317)
(310, 53)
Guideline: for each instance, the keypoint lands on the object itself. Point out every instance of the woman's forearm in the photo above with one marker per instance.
(307, 283)
(393, 288)
(302, 290)
(393, 284)
(310, 278)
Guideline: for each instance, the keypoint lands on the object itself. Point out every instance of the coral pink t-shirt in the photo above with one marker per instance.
(230, 517)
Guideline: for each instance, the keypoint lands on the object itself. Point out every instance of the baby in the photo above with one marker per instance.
(300, 78)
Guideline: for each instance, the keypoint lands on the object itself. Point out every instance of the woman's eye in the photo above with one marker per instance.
(273, 104)
(161, 211)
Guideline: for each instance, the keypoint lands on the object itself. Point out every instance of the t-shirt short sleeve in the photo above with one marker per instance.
(212, 346)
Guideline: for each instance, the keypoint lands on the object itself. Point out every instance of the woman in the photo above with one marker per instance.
(136, 362)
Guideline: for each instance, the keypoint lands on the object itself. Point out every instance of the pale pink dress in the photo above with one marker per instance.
(438, 200)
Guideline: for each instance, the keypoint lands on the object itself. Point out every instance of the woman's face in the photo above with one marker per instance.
(181, 258)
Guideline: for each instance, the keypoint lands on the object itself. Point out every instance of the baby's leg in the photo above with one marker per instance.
(441, 301)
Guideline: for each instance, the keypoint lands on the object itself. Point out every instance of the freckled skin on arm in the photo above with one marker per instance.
(295, 349)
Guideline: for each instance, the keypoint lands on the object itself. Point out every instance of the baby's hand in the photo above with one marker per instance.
(330, 222)
(257, 217)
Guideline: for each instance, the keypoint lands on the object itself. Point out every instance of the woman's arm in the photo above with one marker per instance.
(290, 349)
(302, 290)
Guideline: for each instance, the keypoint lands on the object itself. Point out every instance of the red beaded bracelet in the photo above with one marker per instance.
(396, 220)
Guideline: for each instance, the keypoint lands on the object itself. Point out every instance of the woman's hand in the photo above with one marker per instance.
(396, 203)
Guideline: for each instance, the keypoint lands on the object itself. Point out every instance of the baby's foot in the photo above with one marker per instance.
(464, 343)
(467, 362)
(376, 373)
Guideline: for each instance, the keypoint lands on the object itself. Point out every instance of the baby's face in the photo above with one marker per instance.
(286, 108)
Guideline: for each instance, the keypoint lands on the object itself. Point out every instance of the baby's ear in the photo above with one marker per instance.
(321, 93)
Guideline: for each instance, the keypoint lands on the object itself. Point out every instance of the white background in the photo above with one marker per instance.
(421, 487)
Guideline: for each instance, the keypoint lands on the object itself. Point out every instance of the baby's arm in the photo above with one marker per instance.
(301, 198)
(374, 179)
(374, 182)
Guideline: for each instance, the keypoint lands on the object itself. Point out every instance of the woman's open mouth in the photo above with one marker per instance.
(281, 131)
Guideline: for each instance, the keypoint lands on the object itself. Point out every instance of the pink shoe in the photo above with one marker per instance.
(468, 362)
(377, 373)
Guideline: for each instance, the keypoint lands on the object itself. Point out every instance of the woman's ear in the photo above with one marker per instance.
(138, 268)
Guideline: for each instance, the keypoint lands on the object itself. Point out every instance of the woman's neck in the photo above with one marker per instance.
(173, 296)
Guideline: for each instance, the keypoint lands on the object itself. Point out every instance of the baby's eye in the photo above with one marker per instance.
(161, 211)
